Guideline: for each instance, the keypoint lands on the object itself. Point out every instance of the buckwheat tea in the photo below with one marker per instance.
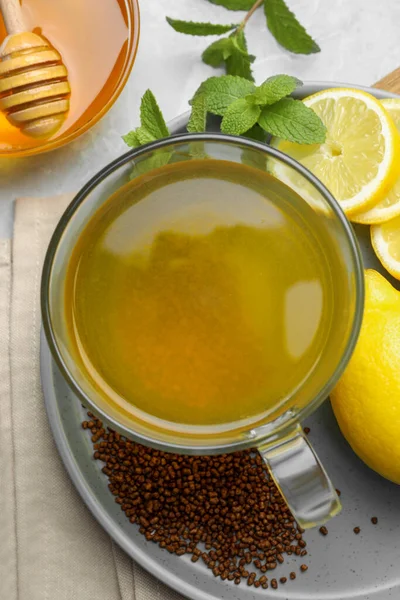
(200, 295)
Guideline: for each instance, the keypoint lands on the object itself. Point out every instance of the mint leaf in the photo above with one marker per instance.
(220, 92)
(145, 136)
(217, 53)
(234, 4)
(151, 117)
(131, 139)
(240, 117)
(152, 126)
(198, 118)
(191, 28)
(275, 88)
(233, 52)
(239, 61)
(286, 29)
(292, 120)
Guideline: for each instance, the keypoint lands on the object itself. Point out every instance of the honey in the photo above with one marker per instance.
(93, 42)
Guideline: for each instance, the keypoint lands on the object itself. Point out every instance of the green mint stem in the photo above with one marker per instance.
(253, 9)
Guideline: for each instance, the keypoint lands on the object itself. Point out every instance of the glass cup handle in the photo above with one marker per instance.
(301, 478)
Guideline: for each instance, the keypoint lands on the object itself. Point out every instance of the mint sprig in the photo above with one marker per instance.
(152, 123)
(232, 52)
(244, 105)
(152, 127)
(246, 109)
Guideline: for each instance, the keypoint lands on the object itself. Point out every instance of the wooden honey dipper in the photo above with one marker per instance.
(34, 88)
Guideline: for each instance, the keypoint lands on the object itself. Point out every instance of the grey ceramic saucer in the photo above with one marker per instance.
(342, 565)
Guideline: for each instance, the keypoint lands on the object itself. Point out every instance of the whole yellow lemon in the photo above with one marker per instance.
(366, 401)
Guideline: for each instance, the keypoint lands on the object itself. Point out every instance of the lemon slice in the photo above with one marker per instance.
(389, 207)
(385, 240)
(357, 162)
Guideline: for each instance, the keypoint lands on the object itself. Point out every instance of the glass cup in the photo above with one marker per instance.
(278, 437)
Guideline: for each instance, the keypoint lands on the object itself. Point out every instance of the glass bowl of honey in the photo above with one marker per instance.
(98, 46)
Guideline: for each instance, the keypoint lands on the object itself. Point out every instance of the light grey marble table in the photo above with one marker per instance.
(359, 41)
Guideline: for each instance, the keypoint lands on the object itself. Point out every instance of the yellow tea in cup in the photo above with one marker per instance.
(201, 295)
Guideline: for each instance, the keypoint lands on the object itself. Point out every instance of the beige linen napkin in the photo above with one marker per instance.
(50, 545)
